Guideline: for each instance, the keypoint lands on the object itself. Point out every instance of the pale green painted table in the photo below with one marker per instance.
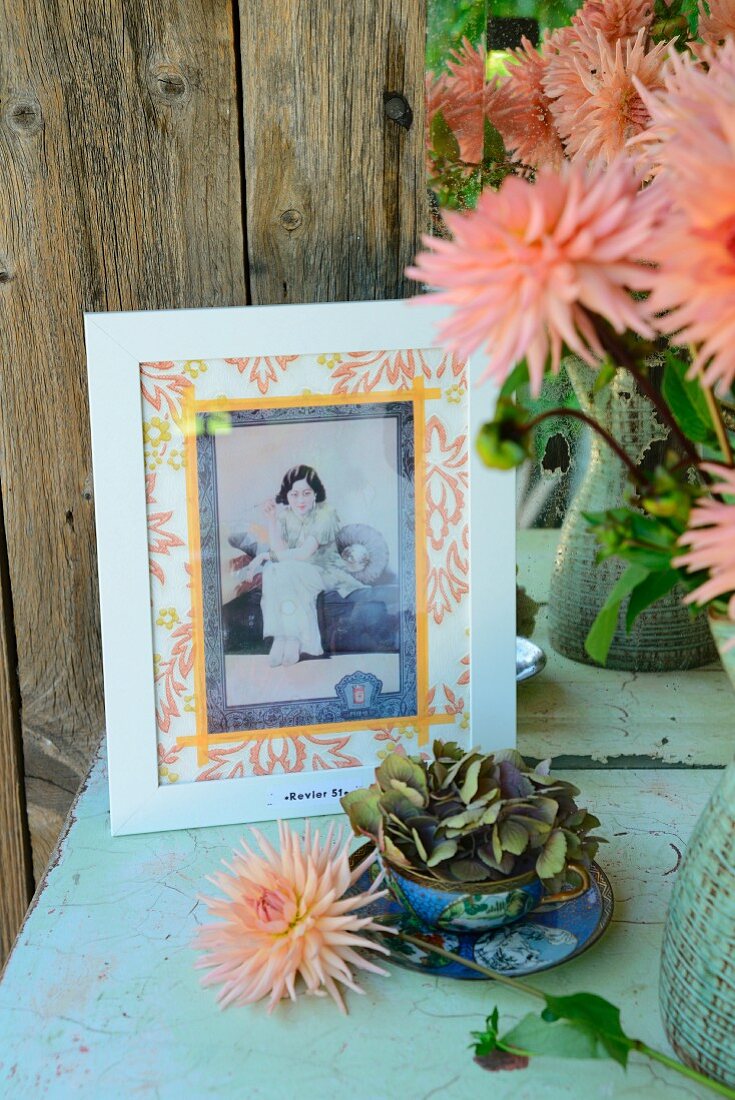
(585, 716)
(100, 998)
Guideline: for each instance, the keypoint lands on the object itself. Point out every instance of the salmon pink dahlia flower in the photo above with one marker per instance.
(615, 19)
(595, 92)
(710, 540)
(284, 917)
(716, 21)
(694, 287)
(526, 266)
(520, 110)
(461, 94)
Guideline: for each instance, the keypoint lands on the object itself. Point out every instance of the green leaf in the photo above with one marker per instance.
(363, 809)
(647, 592)
(553, 855)
(497, 452)
(513, 837)
(685, 397)
(468, 790)
(468, 870)
(596, 1013)
(398, 768)
(442, 138)
(394, 854)
(444, 850)
(563, 1039)
(517, 377)
(604, 376)
(646, 557)
(486, 1041)
(603, 629)
(419, 846)
(493, 147)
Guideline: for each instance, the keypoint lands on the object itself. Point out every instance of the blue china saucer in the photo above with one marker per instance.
(539, 941)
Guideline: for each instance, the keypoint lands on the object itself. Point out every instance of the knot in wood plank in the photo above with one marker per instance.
(6, 272)
(22, 114)
(398, 109)
(168, 84)
(291, 219)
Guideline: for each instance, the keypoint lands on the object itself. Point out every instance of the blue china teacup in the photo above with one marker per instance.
(475, 906)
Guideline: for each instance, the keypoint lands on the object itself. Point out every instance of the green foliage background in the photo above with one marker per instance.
(452, 20)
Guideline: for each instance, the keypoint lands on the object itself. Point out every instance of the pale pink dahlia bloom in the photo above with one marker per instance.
(528, 263)
(717, 23)
(594, 91)
(694, 288)
(710, 540)
(520, 110)
(285, 917)
(615, 19)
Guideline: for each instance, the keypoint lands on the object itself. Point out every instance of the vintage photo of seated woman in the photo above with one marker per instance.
(302, 561)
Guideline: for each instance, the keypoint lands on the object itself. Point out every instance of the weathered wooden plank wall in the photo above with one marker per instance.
(162, 156)
(120, 176)
(335, 189)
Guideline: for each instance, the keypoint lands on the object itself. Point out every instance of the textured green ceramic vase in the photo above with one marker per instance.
(664, 637)
(697, 983)
(697, 986)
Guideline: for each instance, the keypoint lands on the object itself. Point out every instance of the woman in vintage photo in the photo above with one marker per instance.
(302, 561)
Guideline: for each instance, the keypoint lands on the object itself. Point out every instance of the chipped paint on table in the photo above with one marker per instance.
(100, 998)
(593, 716)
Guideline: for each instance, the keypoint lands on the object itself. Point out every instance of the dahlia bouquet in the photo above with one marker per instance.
(615, 242)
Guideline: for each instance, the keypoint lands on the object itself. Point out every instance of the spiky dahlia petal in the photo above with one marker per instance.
(284, 918)
(709, 542)
(694, 289)
(519, 108)
(615, 19)
(460, 94)
(594, 86)
(716, 21)
(525, 265)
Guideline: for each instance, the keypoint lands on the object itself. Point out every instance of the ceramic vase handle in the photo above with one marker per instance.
(570, 895)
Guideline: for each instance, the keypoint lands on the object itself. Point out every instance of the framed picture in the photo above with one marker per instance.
(302, 568)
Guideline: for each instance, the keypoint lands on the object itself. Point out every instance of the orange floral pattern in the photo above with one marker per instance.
(262, 370)
(364, 371)
(172, 675)
(163, 386)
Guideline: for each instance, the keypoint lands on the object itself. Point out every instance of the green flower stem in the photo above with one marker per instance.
(721, 433)
(657, 1056)
(577, 414)
(515, 983)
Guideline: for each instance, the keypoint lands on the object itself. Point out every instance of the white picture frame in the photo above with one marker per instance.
(117, 345)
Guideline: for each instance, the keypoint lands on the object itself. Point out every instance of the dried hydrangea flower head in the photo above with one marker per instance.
(473, 817)
(285, 918)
